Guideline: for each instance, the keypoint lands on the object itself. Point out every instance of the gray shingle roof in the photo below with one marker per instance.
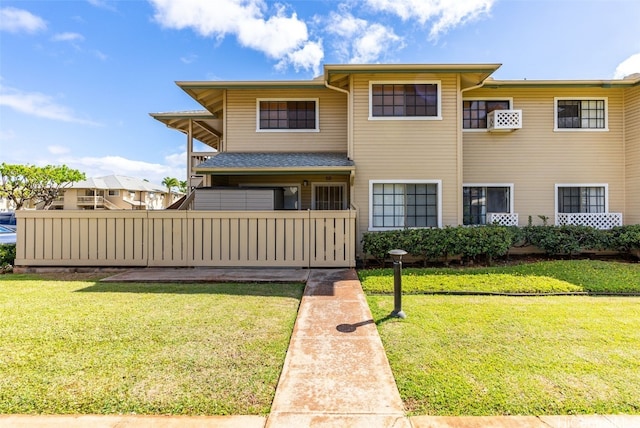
(277, 160)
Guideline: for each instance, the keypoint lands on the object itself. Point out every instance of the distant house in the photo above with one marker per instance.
(115, 192)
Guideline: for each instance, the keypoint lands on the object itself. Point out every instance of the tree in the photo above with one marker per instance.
(182, 187)
(170, 182)
(23, 183)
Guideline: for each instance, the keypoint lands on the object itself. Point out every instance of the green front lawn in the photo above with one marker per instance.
(83, 347)
(497, 355)
(501, 355)
(561, 276)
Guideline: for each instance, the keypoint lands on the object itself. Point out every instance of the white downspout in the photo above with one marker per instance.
(460, 148)
(352, 175)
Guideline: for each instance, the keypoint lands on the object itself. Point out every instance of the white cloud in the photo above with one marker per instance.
(40, 105)
(103, 4)
(177, 159)
(629, 66)
(445, 14)
(358, 41)
(279, 36)
(188, 59)
(58, 150)
(68, 37)
(309, 57)
(14, 20)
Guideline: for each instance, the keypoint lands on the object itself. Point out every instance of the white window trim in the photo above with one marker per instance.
(438, 184)
(510, 99)
(262, 185)
(606, 193)
(324, 184)
(113, 192)
(509, 185)
(438, 83)
(316, 129)
(606, 114)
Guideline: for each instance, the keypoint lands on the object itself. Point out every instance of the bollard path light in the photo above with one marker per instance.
(397, 283)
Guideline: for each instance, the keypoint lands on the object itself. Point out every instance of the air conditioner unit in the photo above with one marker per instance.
(504, 120)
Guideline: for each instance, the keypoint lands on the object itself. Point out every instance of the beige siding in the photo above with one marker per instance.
(407, 149)
(241, 135)
(632, 155)
(535, 158)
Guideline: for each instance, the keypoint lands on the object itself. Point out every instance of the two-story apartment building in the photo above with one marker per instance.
(417, 145)
(114, 192)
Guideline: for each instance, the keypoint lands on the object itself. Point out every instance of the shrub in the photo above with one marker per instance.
(438, 244)
(494, 241)
(7, 257)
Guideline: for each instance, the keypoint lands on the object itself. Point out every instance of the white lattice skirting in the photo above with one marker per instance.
(504, 219)
(506, 120)
(597, 220)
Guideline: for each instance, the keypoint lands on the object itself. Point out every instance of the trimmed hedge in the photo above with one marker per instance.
(493, 241)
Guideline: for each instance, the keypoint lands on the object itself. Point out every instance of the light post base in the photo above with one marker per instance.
(398, 314)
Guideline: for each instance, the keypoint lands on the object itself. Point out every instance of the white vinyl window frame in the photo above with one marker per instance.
(510, 186)
(314, 187)
(259, 100)
(115, 192)
(555, 114)
(603, 185)
(509, 99)
(438, 84)
(438, 184)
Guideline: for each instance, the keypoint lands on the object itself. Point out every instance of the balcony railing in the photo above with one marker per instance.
(597, 220)
(503, 219)
(504, 120)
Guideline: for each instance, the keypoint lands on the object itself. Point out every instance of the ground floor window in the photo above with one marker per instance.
(329, 196)
(404, 204)
(581, 199)
(479, 201)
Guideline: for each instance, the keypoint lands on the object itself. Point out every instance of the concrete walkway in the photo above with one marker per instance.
(335, 374)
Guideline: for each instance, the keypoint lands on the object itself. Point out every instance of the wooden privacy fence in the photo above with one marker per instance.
(186, 238)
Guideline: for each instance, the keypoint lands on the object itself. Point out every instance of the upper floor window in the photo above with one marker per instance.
(475, 111)
(404, 100)
(300, 115)
(577, 114)
(582, 199)
(398, 204)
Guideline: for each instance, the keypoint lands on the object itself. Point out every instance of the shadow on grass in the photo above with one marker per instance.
(293, 290)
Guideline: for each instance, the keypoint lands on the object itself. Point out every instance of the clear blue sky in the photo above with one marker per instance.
(78, 78)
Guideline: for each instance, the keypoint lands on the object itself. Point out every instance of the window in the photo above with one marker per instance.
(329, 197)
(474, 112)
(480, 200)
(581, 199)
(114, 192)
(299, 115)
(396, 100)
(575, 114)
(404, 204)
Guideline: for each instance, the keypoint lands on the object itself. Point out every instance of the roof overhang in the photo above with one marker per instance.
(276, 163)
(210, 93)
(471, 74)
(619, 83)
(206, 126)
